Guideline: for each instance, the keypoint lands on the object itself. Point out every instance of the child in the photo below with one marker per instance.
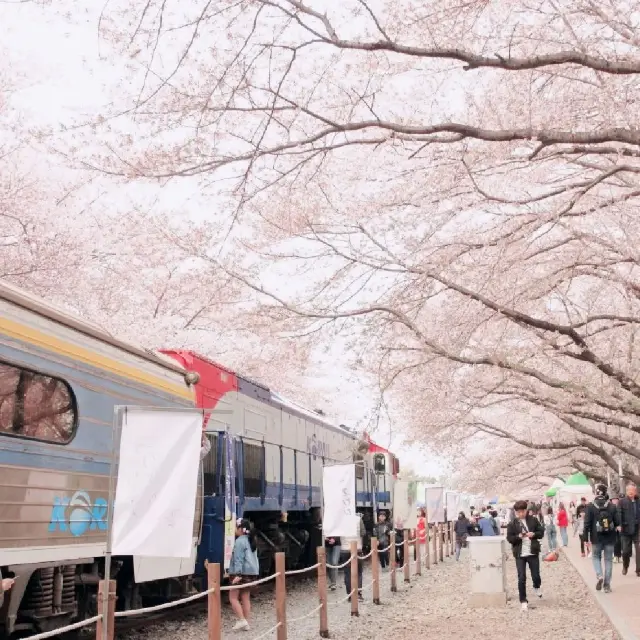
(243, 568)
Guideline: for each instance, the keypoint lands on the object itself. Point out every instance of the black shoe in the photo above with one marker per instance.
(607, 588)
(625, 570)
(638, 574)
(599, 585)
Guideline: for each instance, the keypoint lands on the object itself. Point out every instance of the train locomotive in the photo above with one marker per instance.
(60, 380)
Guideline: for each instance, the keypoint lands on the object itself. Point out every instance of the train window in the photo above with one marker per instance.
(210, 465)
(37, 406)
(253, 469)
(379, 463)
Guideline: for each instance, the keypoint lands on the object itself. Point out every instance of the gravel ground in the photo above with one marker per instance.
(433, 605)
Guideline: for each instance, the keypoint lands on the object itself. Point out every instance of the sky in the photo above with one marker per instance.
(62, 70)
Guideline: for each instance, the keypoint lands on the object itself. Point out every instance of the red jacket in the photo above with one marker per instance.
(563, 519)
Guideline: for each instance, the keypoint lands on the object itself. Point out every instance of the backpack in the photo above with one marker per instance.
(494, 524)
(604, 522)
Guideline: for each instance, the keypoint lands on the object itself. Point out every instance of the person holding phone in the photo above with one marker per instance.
(524, 534)
(7, 583)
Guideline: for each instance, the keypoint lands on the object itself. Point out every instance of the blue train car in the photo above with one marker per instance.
(59, 381)
(266, 464)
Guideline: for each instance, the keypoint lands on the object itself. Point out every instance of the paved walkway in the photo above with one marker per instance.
(622, 606)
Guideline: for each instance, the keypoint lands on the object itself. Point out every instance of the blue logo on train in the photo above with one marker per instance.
(78, 514)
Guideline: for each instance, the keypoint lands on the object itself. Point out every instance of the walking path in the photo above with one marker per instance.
(622, 606)
(435, 605)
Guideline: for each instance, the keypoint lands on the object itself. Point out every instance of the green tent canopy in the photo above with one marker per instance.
(577, 479)
(551, 492)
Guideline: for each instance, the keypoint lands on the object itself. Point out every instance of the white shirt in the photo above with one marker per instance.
(526, 542)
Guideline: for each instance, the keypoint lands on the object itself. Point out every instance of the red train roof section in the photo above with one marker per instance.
(373, 447)
(215, 380)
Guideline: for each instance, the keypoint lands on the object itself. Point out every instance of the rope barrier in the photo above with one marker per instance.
(235, 587)
(308, 615)
(385, 549)
(266, 633)
(347, 597)
(369, 584)
(166, 605)
(365, 557)
(71, 627)
(340, 566)
(295, 572)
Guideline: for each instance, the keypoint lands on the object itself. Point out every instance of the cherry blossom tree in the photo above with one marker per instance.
(452, 188)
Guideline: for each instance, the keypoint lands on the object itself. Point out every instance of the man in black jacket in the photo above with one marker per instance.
(601, 522)
(581, 507)
(524, 533)
(629, 515)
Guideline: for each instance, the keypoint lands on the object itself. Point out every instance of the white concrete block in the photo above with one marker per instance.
(488, 570)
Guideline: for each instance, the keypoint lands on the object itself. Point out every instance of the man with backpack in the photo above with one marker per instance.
(601, 523)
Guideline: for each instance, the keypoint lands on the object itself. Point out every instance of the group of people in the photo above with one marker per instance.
(608, 527)
(604, 526)
(486, 523)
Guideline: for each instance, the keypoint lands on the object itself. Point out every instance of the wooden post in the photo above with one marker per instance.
(353, 567)
(418, 556)
(375, 570)
(392, 561)
(435, 543)
(441, 536)
(322, 591)
(427, 548)
(407, 556)
(214, 602)
(446, 538)
(108, 617)
(452, 534)
(281, 597)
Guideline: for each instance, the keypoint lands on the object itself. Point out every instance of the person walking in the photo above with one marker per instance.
(600, 526)
(461, 529)
(332, 546)
(581, 534)
(629, 514)
(573, 515)
(383, 530)
(617, 547)
(563, 524)
(474, 528)
(524, 534)
(582, 507)
(487, 525)
(550, 530)
(243, 568)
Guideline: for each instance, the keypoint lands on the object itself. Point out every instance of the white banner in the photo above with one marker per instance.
(155, 497)
(453, 505)
(339, 497)
(405, 507)
(434, 499)
(465, 504)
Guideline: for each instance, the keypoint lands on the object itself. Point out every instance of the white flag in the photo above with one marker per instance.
(339, 496)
